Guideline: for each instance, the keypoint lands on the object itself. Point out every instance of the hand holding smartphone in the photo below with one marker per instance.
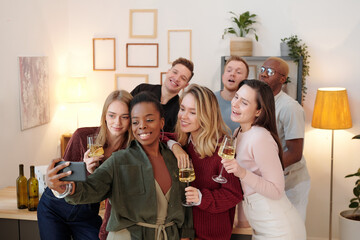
(78, 171)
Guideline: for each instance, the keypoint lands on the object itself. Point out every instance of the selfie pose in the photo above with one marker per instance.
(56, 218)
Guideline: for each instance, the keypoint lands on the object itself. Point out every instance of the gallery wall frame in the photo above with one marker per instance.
(142, 55)
(293, 88)
(162, 77)
(104, 54)
(143, 23)
(179, 44)
(128, 82)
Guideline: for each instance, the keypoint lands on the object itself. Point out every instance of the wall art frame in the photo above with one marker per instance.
(142, 55)
(143, 23)
(179, 44)
(104, 54)
(128, 81)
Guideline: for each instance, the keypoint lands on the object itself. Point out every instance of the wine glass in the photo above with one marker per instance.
(226, 150)
(187, 174)
(95, 148)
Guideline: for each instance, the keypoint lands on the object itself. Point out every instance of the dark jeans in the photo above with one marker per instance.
(59, 220)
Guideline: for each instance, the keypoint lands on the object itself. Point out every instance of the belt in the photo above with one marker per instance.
(159, 228)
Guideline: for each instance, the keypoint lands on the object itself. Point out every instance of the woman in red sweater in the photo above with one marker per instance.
(199, 129)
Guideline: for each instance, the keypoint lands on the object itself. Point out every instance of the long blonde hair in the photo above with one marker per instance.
(117, 95)
(210, 121)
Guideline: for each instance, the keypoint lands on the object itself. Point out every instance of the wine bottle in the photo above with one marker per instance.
(33, 190)
(21, 189)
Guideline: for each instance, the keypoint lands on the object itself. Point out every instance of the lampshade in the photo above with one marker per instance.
(331, 110)
(77, 90)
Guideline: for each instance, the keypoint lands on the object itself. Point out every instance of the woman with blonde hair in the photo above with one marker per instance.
(200, 129)
(60, 220)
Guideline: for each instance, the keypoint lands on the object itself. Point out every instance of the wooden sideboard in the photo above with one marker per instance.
(21, 224)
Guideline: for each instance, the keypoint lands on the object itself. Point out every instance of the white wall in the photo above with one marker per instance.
(63, 30)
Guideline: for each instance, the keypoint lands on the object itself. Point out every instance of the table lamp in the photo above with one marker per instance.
(77, 92)
(331, 111)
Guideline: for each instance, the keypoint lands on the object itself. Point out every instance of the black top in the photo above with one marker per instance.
(171, 108)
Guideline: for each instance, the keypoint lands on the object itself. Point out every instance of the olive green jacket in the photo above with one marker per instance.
(127, 179)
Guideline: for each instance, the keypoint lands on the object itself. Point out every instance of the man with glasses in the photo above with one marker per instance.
(290, 121)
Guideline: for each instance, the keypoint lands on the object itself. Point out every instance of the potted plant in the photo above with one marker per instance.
(297, 50)
(350, 219)
(240, 45)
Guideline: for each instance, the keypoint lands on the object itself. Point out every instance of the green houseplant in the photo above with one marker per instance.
(244, 24)
(241, 45)
(298, 50)
(349, 223)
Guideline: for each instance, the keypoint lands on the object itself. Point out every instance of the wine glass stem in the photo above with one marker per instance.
(222, 168)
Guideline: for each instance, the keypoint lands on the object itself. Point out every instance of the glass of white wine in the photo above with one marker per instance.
(187, 175)
(226, 150)
(96, 149)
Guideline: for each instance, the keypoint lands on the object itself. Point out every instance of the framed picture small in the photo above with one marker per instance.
(143, 23)
(104, 56)
(162, 77)
(142, 55)
(129, 81)
(179, 44)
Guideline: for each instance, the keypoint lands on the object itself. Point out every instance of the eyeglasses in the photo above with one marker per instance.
(270, 72)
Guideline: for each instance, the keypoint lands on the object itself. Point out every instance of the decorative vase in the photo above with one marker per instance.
(284, 49)
(349, 229)
(241, 46)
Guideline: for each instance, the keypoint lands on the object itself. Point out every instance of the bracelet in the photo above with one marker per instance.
(64, 194)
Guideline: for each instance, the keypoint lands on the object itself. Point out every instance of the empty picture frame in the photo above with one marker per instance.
(162, 77)
(129, 81)
(104, 56)
(179, 44)
(142, 55)
(143, 23)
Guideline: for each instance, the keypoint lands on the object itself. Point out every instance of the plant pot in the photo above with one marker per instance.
(240, 46)
(349, 229)
(284, 49)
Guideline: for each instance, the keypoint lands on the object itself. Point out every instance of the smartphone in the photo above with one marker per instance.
(78, 170)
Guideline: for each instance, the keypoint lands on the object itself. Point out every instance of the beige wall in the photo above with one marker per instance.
(63, 30)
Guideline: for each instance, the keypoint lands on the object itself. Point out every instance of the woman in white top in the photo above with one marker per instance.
(258, 165)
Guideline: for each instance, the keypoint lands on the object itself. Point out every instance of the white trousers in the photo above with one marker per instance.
(299, 197)
(273, 219)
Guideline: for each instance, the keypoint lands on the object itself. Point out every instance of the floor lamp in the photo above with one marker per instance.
(77, 92)
(331, 111)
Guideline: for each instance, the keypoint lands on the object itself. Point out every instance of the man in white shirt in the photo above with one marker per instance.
(290, 121)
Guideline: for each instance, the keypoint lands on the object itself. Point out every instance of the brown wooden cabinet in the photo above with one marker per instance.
(64, 141)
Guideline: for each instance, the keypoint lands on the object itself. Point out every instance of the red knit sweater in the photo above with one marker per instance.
(214, 217)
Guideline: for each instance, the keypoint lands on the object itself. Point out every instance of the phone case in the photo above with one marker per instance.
(78, 171)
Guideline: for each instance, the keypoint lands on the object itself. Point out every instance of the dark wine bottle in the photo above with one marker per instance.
(33, 190)
(21, 189)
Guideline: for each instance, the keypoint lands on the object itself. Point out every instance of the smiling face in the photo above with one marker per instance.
(244, 107)
(177, 78)
(117, 118)
(187, 116)
(280, 69)
(234, 73)
(146, 124)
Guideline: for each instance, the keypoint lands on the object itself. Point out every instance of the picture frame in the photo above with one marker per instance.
(104, 54)
(143, 23)
(293, 88)
(142, 55)
(34, 91)
(179, 44)
(128, 82)
(162, 77)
